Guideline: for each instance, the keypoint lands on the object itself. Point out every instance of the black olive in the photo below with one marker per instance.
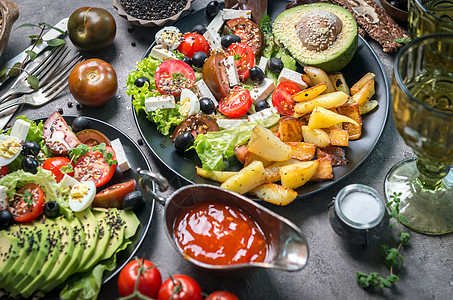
(52, 209)
(275, 64)
(187, 60)
(229, 39)
(198, 59)
(256, 74)
(81, 123)
(200, 29)
(133, 200)
(207, 105)
(139, 82)
(29, 164)
(212, 9)
(260, 105)
(183, 142)
(30, 148)
(6, 218)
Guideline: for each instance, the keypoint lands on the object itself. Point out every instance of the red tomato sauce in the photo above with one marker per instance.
(219, 234)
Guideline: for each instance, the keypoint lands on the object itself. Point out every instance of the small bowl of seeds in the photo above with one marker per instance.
(150, 13)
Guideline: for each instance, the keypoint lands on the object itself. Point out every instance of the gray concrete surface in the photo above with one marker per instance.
(330, 273)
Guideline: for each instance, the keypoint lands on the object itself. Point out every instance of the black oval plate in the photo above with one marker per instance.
(136, 159)
(365, 60)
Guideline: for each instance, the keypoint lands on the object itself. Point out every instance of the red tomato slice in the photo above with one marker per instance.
(193, 43)
(282, 97)
(92, 166)
(172, 76)
(28, 203)
(245, 59)
(54, 165)
(237, 103)
(113, 195)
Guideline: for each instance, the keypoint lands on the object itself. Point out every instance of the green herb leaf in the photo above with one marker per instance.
(55, 42)
(33, 81)
(67, 169)
(31, 54)
(27, 25)
(15, 69)
(28, 198)
(3, 72)
(237, 57)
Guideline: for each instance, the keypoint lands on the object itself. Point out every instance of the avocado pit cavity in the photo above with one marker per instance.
(318, 30)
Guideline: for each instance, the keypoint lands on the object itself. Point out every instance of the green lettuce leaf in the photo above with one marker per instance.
(215, 146)
(44, 179)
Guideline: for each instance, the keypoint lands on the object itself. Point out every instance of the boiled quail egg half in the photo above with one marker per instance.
(81, 193)
(190, 104)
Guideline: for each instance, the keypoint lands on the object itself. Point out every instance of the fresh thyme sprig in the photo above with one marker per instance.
(392, 256)
(18, 67)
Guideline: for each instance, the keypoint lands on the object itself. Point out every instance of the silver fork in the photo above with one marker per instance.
(49, 90)
(43, 66)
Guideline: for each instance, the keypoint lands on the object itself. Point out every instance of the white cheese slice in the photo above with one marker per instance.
(263, 114)
(261, 91)
(216, 23)
(3, 200)
(161, 53)
(213, 38)
(290, 75)
(68, 182)
(20, 129)
(121, 158)
(229, 14)
(230, 123)
(204, 91)
(231, 70)
(164, 101)
(263, 63)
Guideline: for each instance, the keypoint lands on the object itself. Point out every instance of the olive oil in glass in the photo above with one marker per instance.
(430, 16)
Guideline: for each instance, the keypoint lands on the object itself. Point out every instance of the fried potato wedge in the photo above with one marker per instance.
(246, 179)
(339, 82)
(290, 129)
(274, 193)
(364, 94)
(367, 107)
(352, 112)
(338, 137)
(273, 171)
(265, 144)
(316, 136)
(324, 170)
(310, 93)
(361, 83)
(331, 100)
(296, 175)
(219, 176)
(302, 150)
(307, 79)
(324, 118)
(251, 157)
(318, 76)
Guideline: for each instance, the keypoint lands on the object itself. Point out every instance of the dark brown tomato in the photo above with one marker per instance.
(91, 28)
(250, 33)
(214, 74)
(199, 123)
(58, 135)
(92, 137)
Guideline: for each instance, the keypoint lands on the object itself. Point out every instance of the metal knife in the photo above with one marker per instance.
(51, 34)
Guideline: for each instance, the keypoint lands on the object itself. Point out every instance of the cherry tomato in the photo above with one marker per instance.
(21, 208)
(92, 166)
(237, 103)
(215, 76)
(172, 76)
(250, 33)
(91, 28)
(92, 137)
(54, 165)
(149, 281)
(3, 171)
(193, 43)
(222, 295)
(113, 195)
(93, 82)
(282, 97)
(245, 58)
(180, 287)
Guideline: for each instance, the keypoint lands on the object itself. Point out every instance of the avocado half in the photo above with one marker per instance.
(336, 56)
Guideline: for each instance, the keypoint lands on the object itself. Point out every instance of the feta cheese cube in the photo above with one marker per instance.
(216, 23)
(263, 63)
(121, 158)
(261, 91)
(161, 53)
(213, 39)
(204, 91)
(230, 123)
(164, 101)
(231, 70)
(229, 14)
(263, 114)
(290, 75)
